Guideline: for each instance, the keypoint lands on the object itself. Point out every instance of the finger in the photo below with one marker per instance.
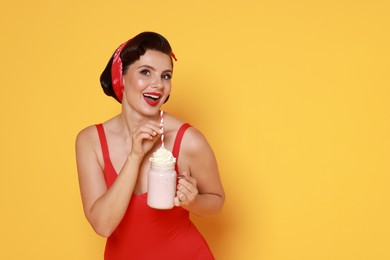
(185, 187)
(187, 180)
(150, 126)
(143, 142)
(181, 196)
(154, 126)
(153, 131)
(186, 176)
(183, 199)
(176, 202)
(145, 136)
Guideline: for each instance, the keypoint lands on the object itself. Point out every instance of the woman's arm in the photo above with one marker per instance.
(200, 191)
(104, 208)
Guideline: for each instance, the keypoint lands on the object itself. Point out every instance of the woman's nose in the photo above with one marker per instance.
(156, 82)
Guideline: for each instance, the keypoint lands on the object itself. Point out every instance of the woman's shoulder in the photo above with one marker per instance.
(90, 133)
(171, 122)
(194, 140)
(194, 147)
(87, 136)
(192, 132)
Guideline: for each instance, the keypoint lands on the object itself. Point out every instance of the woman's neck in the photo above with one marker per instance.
(131, 119)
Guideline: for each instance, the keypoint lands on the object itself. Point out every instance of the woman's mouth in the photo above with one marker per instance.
(152, 98)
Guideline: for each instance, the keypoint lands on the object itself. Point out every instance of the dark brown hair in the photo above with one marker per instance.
(132, 51)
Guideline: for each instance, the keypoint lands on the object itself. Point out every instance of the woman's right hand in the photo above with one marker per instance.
(144, 137)
(105, 207)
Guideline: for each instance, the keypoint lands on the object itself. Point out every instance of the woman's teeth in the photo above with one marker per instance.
(154, 97)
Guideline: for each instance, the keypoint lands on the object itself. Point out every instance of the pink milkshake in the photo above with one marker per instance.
(162, 180)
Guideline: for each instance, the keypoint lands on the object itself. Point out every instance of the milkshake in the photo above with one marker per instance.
(162, 180)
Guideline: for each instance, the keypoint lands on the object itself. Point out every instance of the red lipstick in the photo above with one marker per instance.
(152, 98)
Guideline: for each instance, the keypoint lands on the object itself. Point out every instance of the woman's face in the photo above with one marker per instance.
(147, 82)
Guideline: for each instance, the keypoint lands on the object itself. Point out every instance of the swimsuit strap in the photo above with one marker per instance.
(103, 143)
(176, 145)
(175, 150)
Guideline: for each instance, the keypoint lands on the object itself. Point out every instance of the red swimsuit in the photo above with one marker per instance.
(149, 234)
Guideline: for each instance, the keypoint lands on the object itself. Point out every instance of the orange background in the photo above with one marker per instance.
(292, 95)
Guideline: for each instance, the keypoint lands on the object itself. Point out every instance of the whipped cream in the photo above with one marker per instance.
(162, 157)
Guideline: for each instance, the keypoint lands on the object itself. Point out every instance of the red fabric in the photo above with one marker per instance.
(116, 72)
(149, 234)
(176, 145)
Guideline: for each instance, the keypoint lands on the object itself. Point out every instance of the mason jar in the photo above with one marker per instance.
(161, 186)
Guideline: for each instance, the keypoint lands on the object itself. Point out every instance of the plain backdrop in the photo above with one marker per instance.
(293, 96)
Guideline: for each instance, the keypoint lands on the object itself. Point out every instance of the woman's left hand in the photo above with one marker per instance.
(186, 190)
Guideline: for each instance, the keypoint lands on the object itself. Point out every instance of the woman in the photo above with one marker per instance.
(113, 161)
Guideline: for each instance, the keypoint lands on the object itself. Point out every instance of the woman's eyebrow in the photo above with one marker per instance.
(146, 66)
(152, 68)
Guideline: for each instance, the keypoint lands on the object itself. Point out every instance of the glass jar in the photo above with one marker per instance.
(161, 186)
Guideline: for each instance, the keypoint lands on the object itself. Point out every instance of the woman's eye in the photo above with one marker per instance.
(145, 72)
(167, 76)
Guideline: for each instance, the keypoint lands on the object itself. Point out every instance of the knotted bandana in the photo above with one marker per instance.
(116, 72)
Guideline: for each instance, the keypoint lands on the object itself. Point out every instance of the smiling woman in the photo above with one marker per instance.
(152, 98)
(127, 54)
(151, 76)
(113, 161)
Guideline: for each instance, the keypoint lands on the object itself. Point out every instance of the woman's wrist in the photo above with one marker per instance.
(134, 158)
